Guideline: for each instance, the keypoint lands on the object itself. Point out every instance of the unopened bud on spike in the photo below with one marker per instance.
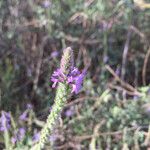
(67, 61)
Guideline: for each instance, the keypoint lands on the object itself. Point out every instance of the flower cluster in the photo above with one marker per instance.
(74, 79)
(4, 121)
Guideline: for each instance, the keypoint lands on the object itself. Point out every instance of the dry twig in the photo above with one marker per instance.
(124, 84)
(145, 66)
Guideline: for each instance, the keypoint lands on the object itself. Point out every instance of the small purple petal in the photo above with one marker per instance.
(75, 72)
(73, 88)
(13, 140)
(36, 137)
(70, 112)
(78, 83)
(57, 76)
(21, 133)
(54, 85)
(23, 116)
(70, 79)
(3, 129)
(5, 121)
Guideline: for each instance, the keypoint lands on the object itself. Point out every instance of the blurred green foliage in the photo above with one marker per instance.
(107, 113)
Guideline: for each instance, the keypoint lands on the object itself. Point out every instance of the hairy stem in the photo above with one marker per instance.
(60, 101)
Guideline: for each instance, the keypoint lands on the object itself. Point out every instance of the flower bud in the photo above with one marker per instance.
(67, 61)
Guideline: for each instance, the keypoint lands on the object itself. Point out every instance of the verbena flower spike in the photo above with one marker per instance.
(67, 79)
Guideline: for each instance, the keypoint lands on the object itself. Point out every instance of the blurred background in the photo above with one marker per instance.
(111, 37)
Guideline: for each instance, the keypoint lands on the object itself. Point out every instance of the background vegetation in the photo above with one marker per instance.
(111, 38)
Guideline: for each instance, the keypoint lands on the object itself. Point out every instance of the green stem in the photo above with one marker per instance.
(6, 139)
(60, 101)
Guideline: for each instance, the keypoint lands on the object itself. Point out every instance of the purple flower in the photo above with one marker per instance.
(74, 79)
(70, 112)
(23, 116)
(36, 137)
(67, 73)
(18, 135)
(21, 133)
(77, 84)
(13, 139)
(5, 121)
(57, 76)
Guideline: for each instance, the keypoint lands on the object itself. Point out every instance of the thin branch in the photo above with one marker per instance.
(145, 66)
(80, 100)
(87, 137)
(124, 84)
(124, 57)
